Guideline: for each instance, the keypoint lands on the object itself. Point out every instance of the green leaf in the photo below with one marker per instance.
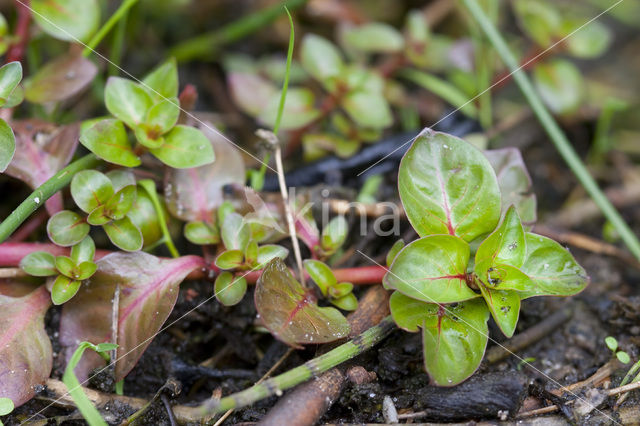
(368, 109)
(98, 217)
(623, 357)
(67, 228)
(393, 251)
(90, 189)
(69, 20)
(162, 117)
(611, 343)
(66, 266)
(448, 187)
(7, 145)
(230, 290)
(121, 202)
(539, 20)
(6, 406)
(374, 37)
(251, 253)
(348, 302)
(504, 306)
(104, 347)
(334, 234)
(454, 341)
(505, 244)
(85, 270)
(552, 269)
(10, 76)
(185, 147)
(201, 233)
(268, 252)
(108, 140)
(339, 290)
(124, 234)
(454, 336)
(230, 259)
(121, 178)
(83, 251)
(586, 41)
(127, 100)
(432, 269)
(321, 274)
(162, 82)
(320, 58)
(514, 182)
(235, 232)
(144, 216)
(560, 84)
(64, 288)
(39, 264)
(148, 139)
(298, 110)
(291, 313)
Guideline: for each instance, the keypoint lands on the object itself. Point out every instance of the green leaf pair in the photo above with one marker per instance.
(360, 91)
(339, 294)
(151, 110)
(452, 198)
(70, 271)
(11, 94)
(107, 199)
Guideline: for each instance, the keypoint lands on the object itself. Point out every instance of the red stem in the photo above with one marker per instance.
(16, 53)
(12, 253)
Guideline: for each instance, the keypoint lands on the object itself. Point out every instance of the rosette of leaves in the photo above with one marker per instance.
(452, 197)
(339, 294)
(322, 244)
(69, 271)
(106, 199)
(11, 94)
(242, 253)
(151, 110)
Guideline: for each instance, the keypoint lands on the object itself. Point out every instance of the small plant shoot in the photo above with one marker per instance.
(452, 197)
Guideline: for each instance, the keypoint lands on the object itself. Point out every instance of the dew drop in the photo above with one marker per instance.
(36, 200)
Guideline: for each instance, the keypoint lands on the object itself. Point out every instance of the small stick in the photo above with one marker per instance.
(529, 336)
(167, 405)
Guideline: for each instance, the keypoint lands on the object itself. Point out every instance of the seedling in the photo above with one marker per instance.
(69, 271)
(612, 344)
(339, 294)
(453, 200)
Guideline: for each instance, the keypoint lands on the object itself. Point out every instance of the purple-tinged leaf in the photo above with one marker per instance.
(67, 228)
(448, 187)
(193, 194)
(42, 149)
(514, 182)
(148, 292)
(250, 91)
(25, 349)
(60, 79)
(291, 313)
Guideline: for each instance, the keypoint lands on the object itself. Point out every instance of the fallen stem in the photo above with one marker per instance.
(43, 193)
(556, 135)
(12, 253)
(310, 369)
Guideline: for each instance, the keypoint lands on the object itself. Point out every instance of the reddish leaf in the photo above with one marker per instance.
(291, 313)
(148, 291)
(60, 79)
(193, 194)
(25, 349)
(42, 149)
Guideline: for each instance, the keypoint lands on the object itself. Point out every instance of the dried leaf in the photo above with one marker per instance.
(42, 149)
(148, 292)
(291, 313)
(25, 349)
(60, 79)
(193, 194)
